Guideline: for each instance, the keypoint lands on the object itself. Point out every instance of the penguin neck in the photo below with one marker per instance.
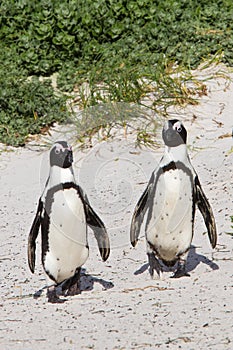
(175, 154)
(59, 175)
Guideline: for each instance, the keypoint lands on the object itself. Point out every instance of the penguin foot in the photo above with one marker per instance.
(53, 297)
(72, 285)
(180, 272)
(153, 265)
(73, 290)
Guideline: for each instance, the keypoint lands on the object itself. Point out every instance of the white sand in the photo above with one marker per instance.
(120, 306)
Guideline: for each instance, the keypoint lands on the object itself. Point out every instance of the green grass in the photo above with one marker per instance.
(121, 96)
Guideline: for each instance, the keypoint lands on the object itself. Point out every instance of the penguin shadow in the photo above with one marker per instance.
(193, 260)
(86, 283)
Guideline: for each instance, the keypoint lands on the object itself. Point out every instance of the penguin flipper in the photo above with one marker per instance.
(207, 213)
(100, 232)
(98, 227)
(139, 213)
(33, 236)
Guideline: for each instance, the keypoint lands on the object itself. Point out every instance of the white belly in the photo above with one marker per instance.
(169, 225)
(67, 237)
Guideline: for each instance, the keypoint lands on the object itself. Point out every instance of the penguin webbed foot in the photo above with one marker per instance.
(181, 270)
(53, 297)
(153, 265)
(71, 286)
(73, 290)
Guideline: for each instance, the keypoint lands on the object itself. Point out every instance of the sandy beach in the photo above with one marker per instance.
(120, 306)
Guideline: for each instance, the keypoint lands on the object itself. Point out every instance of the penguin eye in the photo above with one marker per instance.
(57, 151)
(179, 129)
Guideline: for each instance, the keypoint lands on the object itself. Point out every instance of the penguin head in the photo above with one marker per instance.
(61, 155)
(174, 133)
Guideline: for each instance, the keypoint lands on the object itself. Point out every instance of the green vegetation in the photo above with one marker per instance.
(123, 50)
(27, 106)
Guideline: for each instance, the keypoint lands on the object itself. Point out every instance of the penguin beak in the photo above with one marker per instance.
(169, 134)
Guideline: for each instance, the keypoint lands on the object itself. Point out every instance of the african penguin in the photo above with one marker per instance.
(63, 214)
(170, 200)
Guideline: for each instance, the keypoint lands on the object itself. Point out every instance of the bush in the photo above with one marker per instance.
(73, 37)
(27, 105)
(48, 33)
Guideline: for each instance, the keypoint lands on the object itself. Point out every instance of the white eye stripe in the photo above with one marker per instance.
(59, 148)
(177, 126)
